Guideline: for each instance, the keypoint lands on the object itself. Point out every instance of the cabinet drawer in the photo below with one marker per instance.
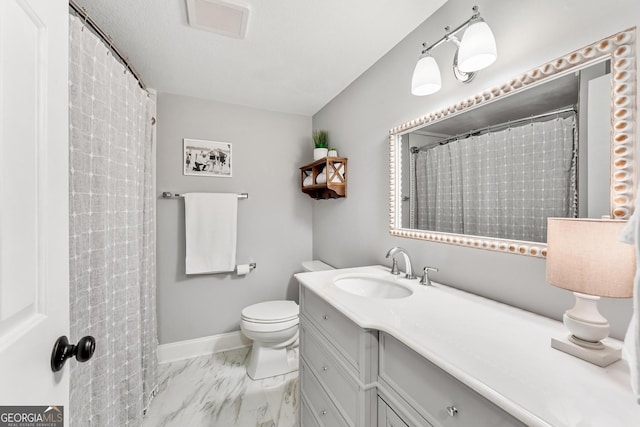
(319, 403)
(339, 330)
(343, 391)
(434, 392)
(387, 417)
(306, 419)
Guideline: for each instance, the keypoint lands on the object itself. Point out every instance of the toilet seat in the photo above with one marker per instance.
(271, 312)
(250, 325)
(259, 320)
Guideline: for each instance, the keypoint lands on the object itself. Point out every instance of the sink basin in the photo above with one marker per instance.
(372, 286)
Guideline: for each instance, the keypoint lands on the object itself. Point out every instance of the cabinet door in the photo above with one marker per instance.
(387, 417)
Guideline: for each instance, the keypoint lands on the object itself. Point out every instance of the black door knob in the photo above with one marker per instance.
(62, 351)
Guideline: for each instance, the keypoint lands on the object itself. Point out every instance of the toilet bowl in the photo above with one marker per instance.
(273, 327)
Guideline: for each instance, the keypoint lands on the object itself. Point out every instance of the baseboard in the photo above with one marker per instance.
(201, 346)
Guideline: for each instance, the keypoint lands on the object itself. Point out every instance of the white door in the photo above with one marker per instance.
(34, 255)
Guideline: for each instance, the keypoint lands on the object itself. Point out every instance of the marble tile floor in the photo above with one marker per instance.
(215, 391)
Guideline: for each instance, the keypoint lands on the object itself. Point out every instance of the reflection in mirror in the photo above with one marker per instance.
(516, 168)
(490, 170)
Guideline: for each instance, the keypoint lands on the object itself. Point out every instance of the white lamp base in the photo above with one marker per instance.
(604, 356)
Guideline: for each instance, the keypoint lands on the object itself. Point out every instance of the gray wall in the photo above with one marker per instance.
(274, 224)
(355, 231)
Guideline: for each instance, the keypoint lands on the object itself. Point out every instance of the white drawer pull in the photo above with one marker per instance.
(325, 317)
(325, 368)
(323, 413)
(452, 411)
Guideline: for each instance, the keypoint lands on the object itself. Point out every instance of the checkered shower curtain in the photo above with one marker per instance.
(112, 235)
(502, 184)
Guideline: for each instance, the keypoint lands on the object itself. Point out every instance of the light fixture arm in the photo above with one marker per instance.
(451, 35)
(460, 75)
(475, 50)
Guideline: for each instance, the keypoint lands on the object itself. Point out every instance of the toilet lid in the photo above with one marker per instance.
(271, 311)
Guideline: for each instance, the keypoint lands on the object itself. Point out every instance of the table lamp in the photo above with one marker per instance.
(586, 257)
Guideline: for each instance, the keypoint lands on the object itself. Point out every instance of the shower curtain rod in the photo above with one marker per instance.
(83, 14)
(486, 129)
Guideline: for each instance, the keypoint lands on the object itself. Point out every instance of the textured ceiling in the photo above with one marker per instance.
(297, 55)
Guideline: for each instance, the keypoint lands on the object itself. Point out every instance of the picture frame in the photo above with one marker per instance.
(206, 158)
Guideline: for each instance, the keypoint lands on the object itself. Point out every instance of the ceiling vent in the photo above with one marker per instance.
(218, 16)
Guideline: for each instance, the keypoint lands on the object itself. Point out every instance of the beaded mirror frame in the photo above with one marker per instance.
(620, 49)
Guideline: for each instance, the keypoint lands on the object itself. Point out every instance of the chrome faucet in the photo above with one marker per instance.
(407, 262)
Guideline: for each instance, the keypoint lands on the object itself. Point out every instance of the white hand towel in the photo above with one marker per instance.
(210, 230)
(307, 181)
(631, 349)
(321, 178)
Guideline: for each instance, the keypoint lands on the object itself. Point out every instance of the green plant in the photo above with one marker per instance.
(320, 138)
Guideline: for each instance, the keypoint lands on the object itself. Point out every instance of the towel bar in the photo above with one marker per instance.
(170, 195)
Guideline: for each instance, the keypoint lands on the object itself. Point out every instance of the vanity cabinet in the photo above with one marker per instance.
(325, 178)
(354, 377)
(336, 361)
(444, 358)
(425, 392)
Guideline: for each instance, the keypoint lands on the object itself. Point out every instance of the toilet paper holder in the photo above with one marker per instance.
(252, 266)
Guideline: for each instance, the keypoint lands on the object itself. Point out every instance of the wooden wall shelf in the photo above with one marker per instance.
(335, 178)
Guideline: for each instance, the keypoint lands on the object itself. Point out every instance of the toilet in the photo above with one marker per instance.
(273, 327)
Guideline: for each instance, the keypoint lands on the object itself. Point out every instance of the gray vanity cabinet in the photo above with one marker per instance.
(337, 366)
(422, 391)
(354, 377)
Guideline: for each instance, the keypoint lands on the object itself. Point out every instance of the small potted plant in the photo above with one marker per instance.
(321, 143)
(333, 152)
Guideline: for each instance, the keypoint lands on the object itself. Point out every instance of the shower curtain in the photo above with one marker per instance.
(502, 184)
(112, 235)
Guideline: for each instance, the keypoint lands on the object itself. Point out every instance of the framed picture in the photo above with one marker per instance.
(206, 158)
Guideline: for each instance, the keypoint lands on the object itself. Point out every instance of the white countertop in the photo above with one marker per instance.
(499, 351)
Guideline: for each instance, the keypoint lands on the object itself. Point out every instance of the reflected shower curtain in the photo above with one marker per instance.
(112, 236)
(503, 184)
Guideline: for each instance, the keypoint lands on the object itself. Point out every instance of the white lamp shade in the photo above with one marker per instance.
(585, 256)
(426, 77)
(477, 48)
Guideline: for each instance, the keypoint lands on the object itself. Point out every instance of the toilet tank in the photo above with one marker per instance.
(315, 265)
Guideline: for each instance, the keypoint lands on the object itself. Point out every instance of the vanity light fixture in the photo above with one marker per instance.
(426, 77)
(476, 50)
(586, 257)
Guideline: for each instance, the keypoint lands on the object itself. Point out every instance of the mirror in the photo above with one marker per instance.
(589, 92)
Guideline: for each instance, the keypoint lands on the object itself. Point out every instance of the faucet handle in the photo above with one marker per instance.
(425, 276)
